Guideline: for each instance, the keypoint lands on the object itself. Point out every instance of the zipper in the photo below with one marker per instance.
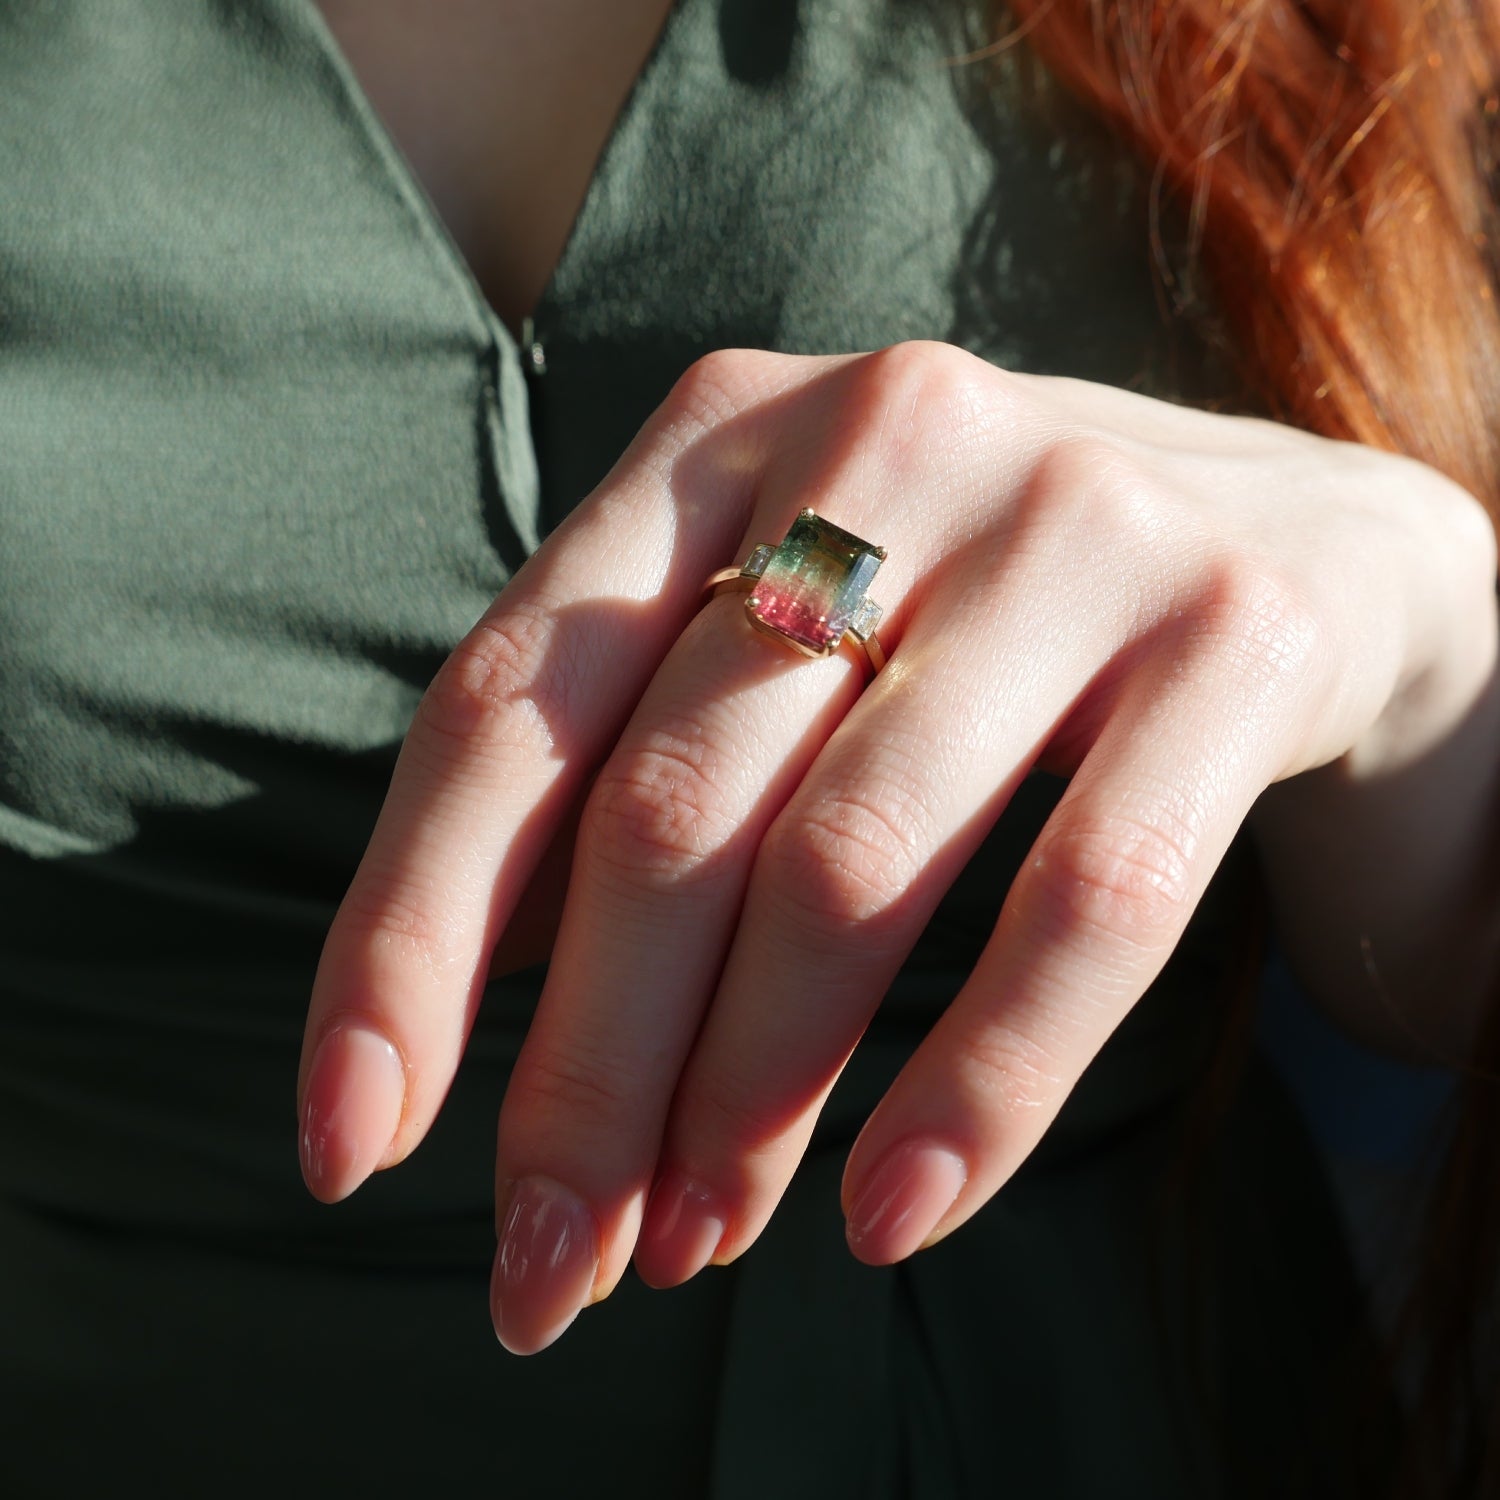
(533, 355)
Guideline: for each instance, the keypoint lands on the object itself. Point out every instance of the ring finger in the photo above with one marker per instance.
(846, 879)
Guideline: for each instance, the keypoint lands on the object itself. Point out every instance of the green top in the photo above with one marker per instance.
(265, 455)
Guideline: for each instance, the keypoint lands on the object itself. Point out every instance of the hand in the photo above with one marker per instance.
(1174, 607)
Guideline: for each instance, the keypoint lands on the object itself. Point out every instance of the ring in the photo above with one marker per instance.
(809, 591)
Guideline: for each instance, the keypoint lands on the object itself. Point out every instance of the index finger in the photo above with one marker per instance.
(515, 719)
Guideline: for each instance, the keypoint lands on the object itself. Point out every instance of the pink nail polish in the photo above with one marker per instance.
(356, 1090)
(545, 1266)
(684, 1224)
(913, 1186)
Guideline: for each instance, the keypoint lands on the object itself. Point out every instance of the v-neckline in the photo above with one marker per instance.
(404, 179)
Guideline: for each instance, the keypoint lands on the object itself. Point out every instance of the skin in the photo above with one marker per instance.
(1200, 618)
(501, 108)
(1180, 609)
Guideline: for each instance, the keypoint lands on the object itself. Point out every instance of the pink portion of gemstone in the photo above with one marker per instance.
(813, 584)
(796, 608)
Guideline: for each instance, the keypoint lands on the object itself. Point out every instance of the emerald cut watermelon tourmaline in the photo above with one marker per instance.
(813, 586)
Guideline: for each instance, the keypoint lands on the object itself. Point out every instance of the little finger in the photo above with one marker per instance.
(1087, 925)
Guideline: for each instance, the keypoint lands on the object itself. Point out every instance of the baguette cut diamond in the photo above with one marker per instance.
(813, 586)
(866, 618)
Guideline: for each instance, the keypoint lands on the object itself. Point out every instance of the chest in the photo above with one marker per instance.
(502, 108)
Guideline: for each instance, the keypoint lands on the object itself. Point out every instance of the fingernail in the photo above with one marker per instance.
(684, 1224)
(356, 1089)
(914, 1185)
(545, 1266)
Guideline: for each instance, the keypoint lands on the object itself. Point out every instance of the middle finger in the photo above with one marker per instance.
(725, 731)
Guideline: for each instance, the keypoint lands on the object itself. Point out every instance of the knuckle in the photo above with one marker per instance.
(1012, 1071)
(919, 401)
(1081, 458)
(926, 370)
(1126, 879)
(1087, 504)
(504, 665)
(657, 811)
(583, 1087)
(741, 1118)
(1257, 618)
(386, 911)
(715, 388)
(840, 863)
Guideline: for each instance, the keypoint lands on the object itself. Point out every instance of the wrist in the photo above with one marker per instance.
(1452, 641)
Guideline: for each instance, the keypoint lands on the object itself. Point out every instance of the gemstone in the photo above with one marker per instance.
(866, 618)
(814, 584)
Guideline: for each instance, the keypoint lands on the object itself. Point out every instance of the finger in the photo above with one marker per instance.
(1088, 924)
(723, 733)
(514, 720)
(847, 878)
(662, 859)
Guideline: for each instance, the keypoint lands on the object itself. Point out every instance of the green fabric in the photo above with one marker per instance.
(264, 455)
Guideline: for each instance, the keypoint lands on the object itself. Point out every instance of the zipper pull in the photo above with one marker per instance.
(533, 356)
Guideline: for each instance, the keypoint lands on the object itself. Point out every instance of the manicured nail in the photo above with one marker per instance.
(356, 1089)
(900, 1204)
(545, 1266)
(684, 1224)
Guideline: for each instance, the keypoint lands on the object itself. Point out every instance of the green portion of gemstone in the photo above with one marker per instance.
(814, 584)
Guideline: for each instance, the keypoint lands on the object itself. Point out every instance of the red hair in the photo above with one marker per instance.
(1338, 160)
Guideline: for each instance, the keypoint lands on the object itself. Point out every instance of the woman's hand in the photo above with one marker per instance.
(1178, 609)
